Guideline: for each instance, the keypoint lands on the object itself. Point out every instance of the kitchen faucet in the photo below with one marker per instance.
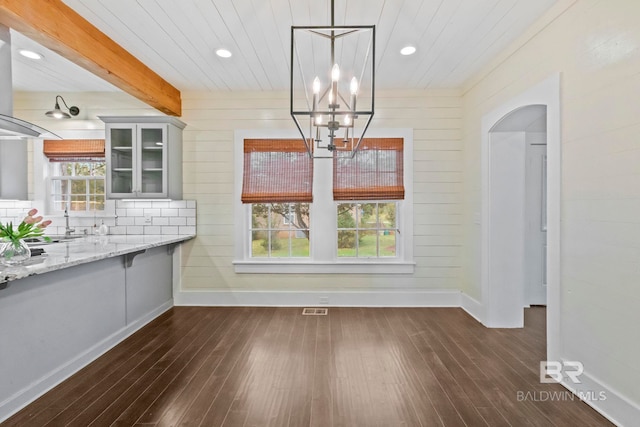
(67, 230)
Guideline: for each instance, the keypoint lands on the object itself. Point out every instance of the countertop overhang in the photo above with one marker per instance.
(84, 250)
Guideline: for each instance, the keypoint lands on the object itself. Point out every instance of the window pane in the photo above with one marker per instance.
(64, 187)
(79, 203)
(387, 212)
(99, 169)
(369, 215)
(368, 243)
(259, 215)
(299, 243)
(66, 169)
(388, 243)
(59, 203)
(281, 216)
(83, 169)
(347, 215)
(99, 186)
(96, 203)
(347, 243)
(79, 187)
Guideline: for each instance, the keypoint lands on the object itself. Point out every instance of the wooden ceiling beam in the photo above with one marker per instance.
(56, 26)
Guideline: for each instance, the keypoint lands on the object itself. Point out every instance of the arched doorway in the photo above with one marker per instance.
(503, 251)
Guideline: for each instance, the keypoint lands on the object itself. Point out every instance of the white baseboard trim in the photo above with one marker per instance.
(39, 387)
(431, 298)
(605, 400)
(472, 306)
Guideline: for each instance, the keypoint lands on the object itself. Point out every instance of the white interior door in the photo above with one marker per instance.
(535, 292)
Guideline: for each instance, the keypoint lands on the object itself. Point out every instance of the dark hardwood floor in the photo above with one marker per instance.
(354, 367)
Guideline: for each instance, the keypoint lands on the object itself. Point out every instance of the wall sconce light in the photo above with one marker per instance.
(57, 113)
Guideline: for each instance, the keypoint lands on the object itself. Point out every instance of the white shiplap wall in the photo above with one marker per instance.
(212, 118)
(596, 47)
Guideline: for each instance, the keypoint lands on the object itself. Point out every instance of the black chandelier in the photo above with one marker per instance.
(332, 85)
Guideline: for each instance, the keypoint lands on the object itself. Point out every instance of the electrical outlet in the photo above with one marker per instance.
(324, 300)
(147, 219)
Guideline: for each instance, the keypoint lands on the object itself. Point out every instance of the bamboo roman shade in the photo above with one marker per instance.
(374, 173)
(276, 171)
(69, 150)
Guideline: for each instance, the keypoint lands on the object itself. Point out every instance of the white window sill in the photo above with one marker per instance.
(338, 267)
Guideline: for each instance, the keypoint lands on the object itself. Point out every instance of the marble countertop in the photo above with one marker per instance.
(83, 250)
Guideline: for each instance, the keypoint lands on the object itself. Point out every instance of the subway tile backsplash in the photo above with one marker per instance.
(131, 217)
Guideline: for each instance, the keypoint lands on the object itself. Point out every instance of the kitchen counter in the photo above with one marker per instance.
(83, 297)
(83, 250)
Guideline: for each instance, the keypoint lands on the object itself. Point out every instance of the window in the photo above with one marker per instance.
(76, 174)
(277, 185)
(346, 215)
(374, 173)
(77, 186)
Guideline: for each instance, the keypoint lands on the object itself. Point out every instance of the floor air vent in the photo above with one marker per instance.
(315, 311)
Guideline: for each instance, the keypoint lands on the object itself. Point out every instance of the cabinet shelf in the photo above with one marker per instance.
(152, 148)
(122, 170)
(152, 170)
(122, 148)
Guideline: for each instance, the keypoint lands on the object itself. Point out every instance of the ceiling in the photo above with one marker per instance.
(177, 39)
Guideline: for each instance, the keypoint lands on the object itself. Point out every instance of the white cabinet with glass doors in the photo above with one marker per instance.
(143, 157)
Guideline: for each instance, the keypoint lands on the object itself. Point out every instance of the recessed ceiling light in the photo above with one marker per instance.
(408, 50)
(223, 53)
(29, 54)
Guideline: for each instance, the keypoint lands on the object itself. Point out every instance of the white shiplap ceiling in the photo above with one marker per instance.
(178, 38)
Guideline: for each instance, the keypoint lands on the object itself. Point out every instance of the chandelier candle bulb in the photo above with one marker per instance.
(316, 92)
(354, 93)
(335, 76)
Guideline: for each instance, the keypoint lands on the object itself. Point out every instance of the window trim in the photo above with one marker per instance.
(321, 261)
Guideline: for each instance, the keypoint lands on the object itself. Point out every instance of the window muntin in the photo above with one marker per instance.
(367, 230)
(77, 186)
(280, 230)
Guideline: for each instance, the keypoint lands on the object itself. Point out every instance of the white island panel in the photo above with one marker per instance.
(66, 309)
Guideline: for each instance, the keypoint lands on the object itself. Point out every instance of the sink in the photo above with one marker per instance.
(64, 237)
(39, 241)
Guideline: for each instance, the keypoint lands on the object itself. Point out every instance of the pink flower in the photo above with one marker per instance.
(37, 219)
(32, 212)
(44, 224)
(30, 220)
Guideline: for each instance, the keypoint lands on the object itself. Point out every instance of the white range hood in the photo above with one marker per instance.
(13, 128)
